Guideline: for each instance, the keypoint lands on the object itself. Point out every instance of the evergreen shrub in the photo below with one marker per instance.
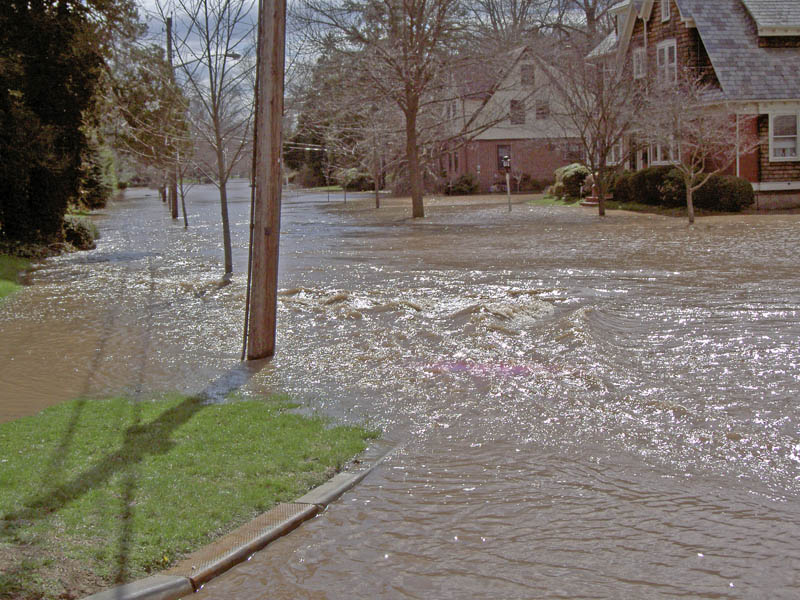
(725, 193)
(80, 232)
(572, 177)
(463, 186)
(664, 187)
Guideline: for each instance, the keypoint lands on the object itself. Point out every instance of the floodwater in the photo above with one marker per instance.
(581, 408)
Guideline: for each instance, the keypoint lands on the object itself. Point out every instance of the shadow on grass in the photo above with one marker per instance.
(140, 441)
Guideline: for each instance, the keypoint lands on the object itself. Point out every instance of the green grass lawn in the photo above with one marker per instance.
(96, 492)
(327, 188)
(10, 266)
(547, 200)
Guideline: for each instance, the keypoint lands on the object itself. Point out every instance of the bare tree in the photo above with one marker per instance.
(695, 130)
(505, 24)
(402, 48)
(586, 18)
(214, 43)
(597, 104)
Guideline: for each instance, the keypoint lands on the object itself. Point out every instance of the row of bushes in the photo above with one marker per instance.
(468, 184)
(664, 186)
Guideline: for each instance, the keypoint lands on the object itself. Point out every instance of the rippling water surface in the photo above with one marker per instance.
(582, 409)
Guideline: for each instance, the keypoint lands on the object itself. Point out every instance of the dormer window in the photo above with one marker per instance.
(664, 10)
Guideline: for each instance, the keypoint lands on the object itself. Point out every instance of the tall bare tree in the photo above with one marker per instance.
(401, 48)
(214, 46)
(598, 103)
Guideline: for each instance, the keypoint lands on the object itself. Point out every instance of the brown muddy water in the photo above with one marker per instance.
(582, 409)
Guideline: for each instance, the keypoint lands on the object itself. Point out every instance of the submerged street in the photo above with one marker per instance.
(581, 408)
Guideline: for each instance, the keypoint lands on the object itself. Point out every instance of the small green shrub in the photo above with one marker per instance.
(646, 185)
(572, 177)
(673, 190)
(557, 189)
(529, 184)
(80, 232)
(466, 184)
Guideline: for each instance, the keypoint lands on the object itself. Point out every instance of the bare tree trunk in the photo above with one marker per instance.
(601, 198)
(183, 201)
(690, 203)
(412, 157)
(183, 209)
(173, 194)
(376, 170)
(223, 205)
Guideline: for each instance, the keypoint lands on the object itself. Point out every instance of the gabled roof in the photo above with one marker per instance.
(775, 17)
(605, 48)
(745, 70)
(633, 8)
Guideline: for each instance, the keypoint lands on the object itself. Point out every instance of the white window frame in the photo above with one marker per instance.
(667, 73)
(665, 11)
(772, 157)
(639, 63)
(656, 154)
(614, 157)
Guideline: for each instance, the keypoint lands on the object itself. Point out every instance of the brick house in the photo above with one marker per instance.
(514, 118)
(749, 50)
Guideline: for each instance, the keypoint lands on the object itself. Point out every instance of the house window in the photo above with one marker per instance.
(455, 161)
(503, 150)
(574, 151)
(527, 74)
(662, 154)
(783, 137)
(666, 61)
(639, 63)
(614, 154)
(664, 10)
(517, 112)
(542, 109)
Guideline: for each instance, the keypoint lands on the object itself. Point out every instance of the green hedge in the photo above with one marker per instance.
(664, 187)
(466, 184)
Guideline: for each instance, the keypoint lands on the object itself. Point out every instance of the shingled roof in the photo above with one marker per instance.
(772, 16)
(730, 35)
(606, 47)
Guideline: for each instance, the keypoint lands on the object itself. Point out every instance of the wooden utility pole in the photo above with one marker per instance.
(173, 172)
(262, 308)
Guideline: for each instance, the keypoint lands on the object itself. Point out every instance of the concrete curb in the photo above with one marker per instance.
(206, 563)
(158, 587)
